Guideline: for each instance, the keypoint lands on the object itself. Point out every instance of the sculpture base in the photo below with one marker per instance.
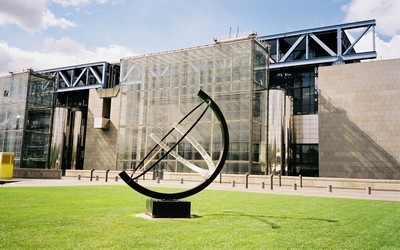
(168, 208)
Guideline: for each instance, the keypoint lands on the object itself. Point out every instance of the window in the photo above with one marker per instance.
(300, 84)
(305, 160)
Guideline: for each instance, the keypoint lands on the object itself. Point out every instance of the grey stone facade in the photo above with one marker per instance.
(359, 120)
(100, 150)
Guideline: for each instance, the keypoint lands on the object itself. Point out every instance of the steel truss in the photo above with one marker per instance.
(84, 76)
(328, 44)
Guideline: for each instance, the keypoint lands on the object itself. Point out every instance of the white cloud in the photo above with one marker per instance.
(385, 12)
(49, 19)
(64, 45)
(57, 53)
(30, 17)
(390, 49)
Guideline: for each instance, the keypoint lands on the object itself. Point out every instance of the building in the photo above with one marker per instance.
(295, 60)
(297, 103)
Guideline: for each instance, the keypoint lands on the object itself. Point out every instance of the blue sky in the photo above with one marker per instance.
(41, 34)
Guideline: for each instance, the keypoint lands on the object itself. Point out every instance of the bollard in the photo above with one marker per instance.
(181, 180)
(295, 186)
(158, 179)
(280, 180)
(97, 178)
(91, 174)
(263, 185)
(368, 190)
(116, 178)
(107, 174)
(79, 177)
(155, 174)
(220, 178)
(330, 188)
(233, 183)
(247, 180)
(301, 181)
(272, 182)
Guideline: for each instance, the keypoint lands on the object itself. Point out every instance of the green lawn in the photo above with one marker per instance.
(104, 217)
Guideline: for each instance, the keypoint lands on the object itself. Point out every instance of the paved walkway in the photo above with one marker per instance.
(306, 191)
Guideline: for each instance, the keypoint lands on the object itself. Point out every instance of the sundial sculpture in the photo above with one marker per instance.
(170, 205)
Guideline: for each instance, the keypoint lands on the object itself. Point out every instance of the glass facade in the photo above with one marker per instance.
(26, 112)
(37, 134)
(12, 113)
(306, 160)
(299, 83)
(158, 90)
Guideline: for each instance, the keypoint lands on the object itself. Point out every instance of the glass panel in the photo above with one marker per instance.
(13, 91)
(35, 152)
(305, 161)
(260, 66)
(300, 84)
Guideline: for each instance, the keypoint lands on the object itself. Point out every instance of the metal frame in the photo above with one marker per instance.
(78, 77)
(337, 56)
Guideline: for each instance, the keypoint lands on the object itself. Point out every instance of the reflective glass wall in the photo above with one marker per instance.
(305, 160)
(37, 133)
(159, 89)
(299, 83)
(13, 91)
(26, 103)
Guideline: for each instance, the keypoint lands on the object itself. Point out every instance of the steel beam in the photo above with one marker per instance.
(338, 56)
(77, 77)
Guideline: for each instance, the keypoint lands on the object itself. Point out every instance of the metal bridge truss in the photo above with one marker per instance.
(330, 44)
(85, 76)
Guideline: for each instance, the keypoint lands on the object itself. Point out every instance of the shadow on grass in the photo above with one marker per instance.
(264, 218)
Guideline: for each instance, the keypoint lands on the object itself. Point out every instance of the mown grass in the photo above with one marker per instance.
(104, 217)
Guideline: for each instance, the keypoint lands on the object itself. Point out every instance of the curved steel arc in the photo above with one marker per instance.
(176, 144)
(221, 161)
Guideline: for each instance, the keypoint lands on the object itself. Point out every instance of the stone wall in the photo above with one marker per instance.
(305, 129)
(101, 144)
(359, 120)
(35, 173)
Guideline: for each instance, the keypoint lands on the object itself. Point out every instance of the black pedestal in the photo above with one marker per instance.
(168, 208)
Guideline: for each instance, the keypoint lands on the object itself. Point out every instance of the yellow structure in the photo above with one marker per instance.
(6, 165)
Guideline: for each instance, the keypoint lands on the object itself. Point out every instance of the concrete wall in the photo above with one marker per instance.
(101, 144)
(359, 120)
